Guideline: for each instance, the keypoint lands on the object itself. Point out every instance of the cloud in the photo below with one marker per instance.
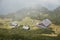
(14, 5)
(51, 4)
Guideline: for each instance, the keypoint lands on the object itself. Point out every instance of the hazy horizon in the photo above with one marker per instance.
(8, 6)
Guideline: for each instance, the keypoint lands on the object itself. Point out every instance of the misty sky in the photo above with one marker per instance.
(8, 6)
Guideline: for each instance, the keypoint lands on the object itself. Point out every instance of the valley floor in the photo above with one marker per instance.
(35, 33)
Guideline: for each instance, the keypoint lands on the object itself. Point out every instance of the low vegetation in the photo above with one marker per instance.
(35, 33)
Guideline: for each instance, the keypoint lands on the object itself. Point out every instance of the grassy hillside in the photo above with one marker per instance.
(35, 33)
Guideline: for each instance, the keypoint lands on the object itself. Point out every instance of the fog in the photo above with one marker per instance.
(9, 6)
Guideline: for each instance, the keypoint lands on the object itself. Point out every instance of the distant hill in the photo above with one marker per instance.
(30, 11)
(33, 11)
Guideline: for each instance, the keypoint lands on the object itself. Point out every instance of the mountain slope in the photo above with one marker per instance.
(31, 11)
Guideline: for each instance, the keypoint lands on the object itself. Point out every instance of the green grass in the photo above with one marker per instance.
(19, 33)
(35, 33)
